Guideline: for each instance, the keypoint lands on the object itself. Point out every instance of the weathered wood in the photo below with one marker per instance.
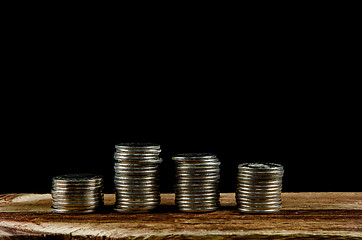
(304, 215)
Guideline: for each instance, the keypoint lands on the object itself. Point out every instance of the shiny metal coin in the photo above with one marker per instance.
(77, 193)
(138, 146)
(198, 191)
(132, 158)
(59, 210)
(74, 194)
(262, 166)
(77, 188)
(193, 156)
(258, 211)
(259, 187)
(78, 178)
(136, 209)
(128, 166)
(197, 179)
(197, 209)
(136, 177)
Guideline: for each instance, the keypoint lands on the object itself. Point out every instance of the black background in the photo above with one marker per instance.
(246, 89)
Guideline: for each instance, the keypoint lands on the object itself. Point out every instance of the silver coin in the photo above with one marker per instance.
(188, 156)
(196, 194)
(259, 184)
(260, 166)
(200, 190)
(258, 211)
(195, 165)
(197, 178)
(198, 182)
(259, 177)
(136, 172)
(80, 193)
(75, 205)
(153, 190)
(56, 210)
(198, 205)
(65, 208)
(134, 204)
(137, 203)
(143, 196)
(198, 171)
(252, 193)
(135, 200)
(140, 188)
(76, 188)
(190, 185)
(76, 184)
(197, 210)
(77, 198)
(136, 182)
(137, 191)
(138, 209)
(138, 146)
(259, 187)
(129, 166)
(56, 192)
(261, 203)
(196, 202)
(136, 178)
(137, 159)
(67, 178)
(138, 153)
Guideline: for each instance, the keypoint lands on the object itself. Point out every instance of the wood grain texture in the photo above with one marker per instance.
(303, 216)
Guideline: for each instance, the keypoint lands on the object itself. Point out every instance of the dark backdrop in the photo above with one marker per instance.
(74, 129)
(247, 88)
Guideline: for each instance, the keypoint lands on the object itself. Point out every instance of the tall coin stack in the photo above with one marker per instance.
(77, 193)
(137, 177)
(197, 182)
(259, 187)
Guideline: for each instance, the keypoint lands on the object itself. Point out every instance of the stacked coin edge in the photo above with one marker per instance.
(259, 187)
(137, 177)
(77, 193)
(197, 178)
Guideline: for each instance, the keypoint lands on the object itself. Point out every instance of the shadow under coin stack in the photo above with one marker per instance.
(259, 187)
(137, 177)
(197, 180)
(77, 193)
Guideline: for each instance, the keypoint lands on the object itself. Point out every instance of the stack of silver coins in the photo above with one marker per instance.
(137, 177)
(259, 187)
(197, 182)
(77, 193)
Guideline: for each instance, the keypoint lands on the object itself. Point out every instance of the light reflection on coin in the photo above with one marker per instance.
(259, 187)
(136, 177)
(77, 193)
(197, 179)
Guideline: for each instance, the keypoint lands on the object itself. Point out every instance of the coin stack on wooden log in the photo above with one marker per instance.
(137, 177)
(259, 187)
(197, 182)
(77, 193)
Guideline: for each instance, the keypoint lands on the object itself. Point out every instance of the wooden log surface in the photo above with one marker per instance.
(307, 215)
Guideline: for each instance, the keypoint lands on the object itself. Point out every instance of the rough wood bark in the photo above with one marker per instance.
(303, 216)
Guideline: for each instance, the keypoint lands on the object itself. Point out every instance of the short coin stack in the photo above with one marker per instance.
(137, 177)
(259, 187)
(197, 180)
(77, 193)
